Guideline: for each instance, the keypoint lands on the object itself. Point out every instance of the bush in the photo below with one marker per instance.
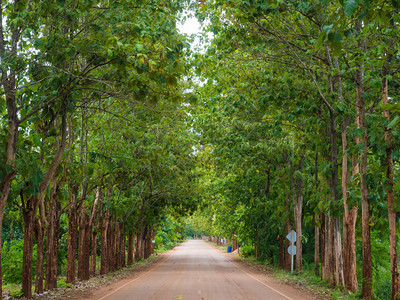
(162, 238)
(11, 260)
(247, 251)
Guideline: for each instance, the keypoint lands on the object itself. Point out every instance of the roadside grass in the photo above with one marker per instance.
(14, 291)
(306, 279)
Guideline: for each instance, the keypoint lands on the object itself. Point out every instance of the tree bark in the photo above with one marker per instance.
(288, 259)
(390, 196)
(94, 253)
(39, 257)
(83, 246)
(329, 255)
(139, 250)
(29, 221)
(130, 248)
(92, 221)
(104, 263)
(349, 223)
(297, 194)
(51, 282)
(334, 183)
(367, 292)
(54, 256)
(323, 245)
(72, 235)
(316, 245)
(122, 247)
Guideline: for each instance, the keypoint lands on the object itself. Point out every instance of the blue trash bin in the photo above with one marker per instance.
(229, 249)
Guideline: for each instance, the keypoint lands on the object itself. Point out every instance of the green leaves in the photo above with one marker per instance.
(350, 7)
(394, 122)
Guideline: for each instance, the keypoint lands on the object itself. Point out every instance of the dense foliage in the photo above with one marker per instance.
(298, 119)
(116, 135)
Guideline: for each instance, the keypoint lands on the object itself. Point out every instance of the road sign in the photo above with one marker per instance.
(292, 250)
(291, 236)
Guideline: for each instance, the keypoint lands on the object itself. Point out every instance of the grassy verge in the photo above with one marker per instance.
(306, 280)
(13, 291)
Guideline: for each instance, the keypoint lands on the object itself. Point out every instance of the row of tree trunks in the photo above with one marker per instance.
(139, 247)
(144, 246)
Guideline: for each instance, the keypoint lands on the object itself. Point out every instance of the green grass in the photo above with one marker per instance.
(12, 289)
(307, 278)
(313, 283)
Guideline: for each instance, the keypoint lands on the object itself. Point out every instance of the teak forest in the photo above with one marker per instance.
(121, 135)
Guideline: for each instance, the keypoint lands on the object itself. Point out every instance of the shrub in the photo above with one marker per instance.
(11, 260)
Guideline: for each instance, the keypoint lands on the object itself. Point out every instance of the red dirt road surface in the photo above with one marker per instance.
(197, 270)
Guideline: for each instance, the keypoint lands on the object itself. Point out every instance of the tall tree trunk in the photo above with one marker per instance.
(117, 243)
(122, 247)
(130, 248)
(94, 253)
(72, 235)
(316, 245)
(297, 193)
(323, 245)
(349, 222)
(147, 242)
(288, 259)
(54, 255)
(104, 263)
(39, 257)
(329, 255)
(92, 223)
(110, 249)
(83, 247)
(29, 221)
(334, 183)
(299, 256)
(316, 225)
(139, 251)
(51, 236)
(390, 196)
(86, 252)
(349, 217)
(367, 292)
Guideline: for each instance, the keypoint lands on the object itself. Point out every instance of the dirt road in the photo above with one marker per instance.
(197, 270)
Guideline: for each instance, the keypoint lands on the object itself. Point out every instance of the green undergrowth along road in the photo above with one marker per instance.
(305, 280)
(13, 291)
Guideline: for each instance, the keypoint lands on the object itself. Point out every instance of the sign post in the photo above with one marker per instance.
(292, 248)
